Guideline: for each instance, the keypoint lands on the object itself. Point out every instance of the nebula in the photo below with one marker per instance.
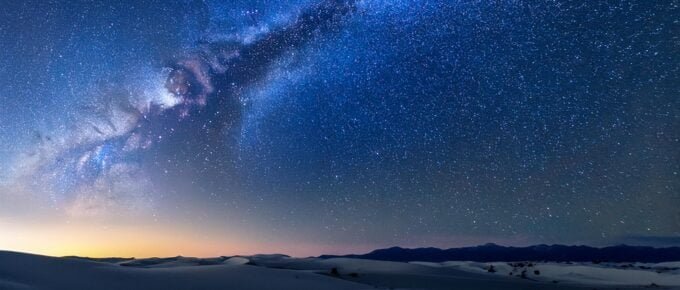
(88, 165)
(233, 65)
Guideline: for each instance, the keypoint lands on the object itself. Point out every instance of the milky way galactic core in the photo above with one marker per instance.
(333, 126)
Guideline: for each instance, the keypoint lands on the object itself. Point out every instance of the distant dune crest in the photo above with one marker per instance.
(20, 271)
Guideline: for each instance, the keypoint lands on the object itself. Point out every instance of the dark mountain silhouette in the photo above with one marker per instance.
(493, 252)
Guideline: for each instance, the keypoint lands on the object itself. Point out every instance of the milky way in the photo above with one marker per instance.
(350, 124)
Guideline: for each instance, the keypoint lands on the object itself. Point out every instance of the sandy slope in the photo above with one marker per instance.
(24, 271)
(615, 274)
(396, 275)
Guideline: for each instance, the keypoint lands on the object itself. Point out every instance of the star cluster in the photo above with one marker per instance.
(347, 124)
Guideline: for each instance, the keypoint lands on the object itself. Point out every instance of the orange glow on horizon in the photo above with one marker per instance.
(120, 241)
(143, 241)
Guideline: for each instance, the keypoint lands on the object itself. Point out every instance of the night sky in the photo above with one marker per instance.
(310, 127)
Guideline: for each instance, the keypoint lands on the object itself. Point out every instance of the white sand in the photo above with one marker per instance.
(662, 274)
(262, 272)
(19, 271)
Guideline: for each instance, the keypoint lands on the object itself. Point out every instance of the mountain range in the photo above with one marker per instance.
(497, 253)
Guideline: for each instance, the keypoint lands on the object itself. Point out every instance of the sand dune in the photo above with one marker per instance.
(23, 271)
(619, 274)
(26, 271)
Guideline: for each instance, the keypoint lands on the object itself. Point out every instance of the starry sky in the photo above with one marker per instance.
(336, 126)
